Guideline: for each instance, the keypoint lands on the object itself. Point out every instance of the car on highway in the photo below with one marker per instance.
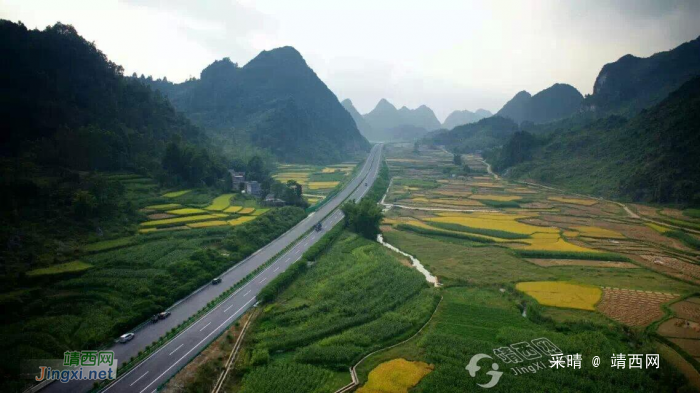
(125, 338)
(365, 184)
(318, 227)
(216, 281)
(160, 316)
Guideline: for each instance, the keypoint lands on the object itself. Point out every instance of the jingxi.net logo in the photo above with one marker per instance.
(473, 367)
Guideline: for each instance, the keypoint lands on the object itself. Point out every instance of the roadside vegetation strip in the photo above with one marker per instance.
(234, 353)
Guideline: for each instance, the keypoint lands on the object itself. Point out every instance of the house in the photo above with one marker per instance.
(253, 188)
(237, 178)
(270, 200)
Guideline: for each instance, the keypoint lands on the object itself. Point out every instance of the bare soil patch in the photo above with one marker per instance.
(632, 307)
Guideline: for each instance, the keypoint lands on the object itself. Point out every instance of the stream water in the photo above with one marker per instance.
(416, 263)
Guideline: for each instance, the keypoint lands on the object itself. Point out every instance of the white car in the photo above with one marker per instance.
(124, 338)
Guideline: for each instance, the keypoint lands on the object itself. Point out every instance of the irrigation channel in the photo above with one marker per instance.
(416, 263)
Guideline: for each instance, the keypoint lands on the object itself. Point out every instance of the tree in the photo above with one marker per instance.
(457, 159)
(363, 218)
(255, 169)
(466, 170)
(416, 147)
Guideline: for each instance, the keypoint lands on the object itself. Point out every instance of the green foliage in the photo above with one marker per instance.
(364, 217)
(687, 239)
(652, 157)
(593, 256)
(486, 133)
(457, 159)
(694, 213)
(287, 377)
(276, 102)
(555, 102)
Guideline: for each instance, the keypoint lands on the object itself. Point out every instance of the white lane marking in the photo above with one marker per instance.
(287, 260)
(205, 326)
(263, 280)
(227, 308)
(276, 269)
(198, 344)
(246, 294)
(137, 379)
(180, 346)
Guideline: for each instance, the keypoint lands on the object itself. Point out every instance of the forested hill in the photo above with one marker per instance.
(365, 129)
(387, 121)
(458, 118)
(275, 101)
(632, 83)
(652, 157)
(64, 104)
(556, 102)
(485, 134)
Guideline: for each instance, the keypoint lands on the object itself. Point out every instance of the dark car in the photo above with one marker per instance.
(216, 281)
(164, 315)
(318, 227)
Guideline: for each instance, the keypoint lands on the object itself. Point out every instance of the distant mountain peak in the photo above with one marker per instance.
(555, 102)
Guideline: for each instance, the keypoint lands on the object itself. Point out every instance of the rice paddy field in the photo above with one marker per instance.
(173, 242)
(318, 182)
(517, 260)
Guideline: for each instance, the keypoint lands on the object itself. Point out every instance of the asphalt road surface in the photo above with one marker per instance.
(169, 359)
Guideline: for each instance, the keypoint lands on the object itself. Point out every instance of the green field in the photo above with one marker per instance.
(355, 299)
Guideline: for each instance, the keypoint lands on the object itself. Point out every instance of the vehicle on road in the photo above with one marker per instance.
(318, 227)
(125, 338)
(365, 184)
(160, 316)
(216, 281)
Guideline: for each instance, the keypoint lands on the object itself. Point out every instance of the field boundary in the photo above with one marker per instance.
(234, 352)
(353, 370)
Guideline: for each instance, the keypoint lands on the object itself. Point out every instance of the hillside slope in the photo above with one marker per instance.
(484, 134)
(632, 83)
(362, 125)
(555, 102)
(276, 102)
(652, 157)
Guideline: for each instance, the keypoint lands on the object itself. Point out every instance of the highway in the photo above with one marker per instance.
(170, 358)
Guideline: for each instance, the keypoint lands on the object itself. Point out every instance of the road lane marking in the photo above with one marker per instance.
(139, 378)
(263, 280)
(287, 259)
(276, 269)
(246, 294)
(176, 349)
(198, 344)
(205, 326)
(227, 308)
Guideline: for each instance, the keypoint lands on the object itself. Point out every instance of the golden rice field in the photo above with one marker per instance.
(502, 198)
(496, 221)
(657, 227)
(570, 233)
(456, 202)
(206, 224)
(241, 220)
(598, 232)
(562, 294)
(176, 194)
(258, 212)
(575, 201)
(485, 185)
(179, 220)
(552, 242)
(246, 210)
(220, 203)
(233, 209)
(420, 224)
(187, 211)
(320, 185)
(167, 206)
(395, 376)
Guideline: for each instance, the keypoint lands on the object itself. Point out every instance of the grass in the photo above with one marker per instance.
(176, 194)
(687, 239)
(356, 298)
(108, 244)
(693, 213)
(187, 211)
(166, 206)
(575, 201)
(436, 232)
(69, 267)
(179, 220)
(395, 376)
(220, 203)
(657, 228)
(562, 294)
(590, 256)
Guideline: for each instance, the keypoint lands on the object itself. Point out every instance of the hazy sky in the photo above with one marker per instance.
(447, 54)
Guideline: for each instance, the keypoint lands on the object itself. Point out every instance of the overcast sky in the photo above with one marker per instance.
(447, 54)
